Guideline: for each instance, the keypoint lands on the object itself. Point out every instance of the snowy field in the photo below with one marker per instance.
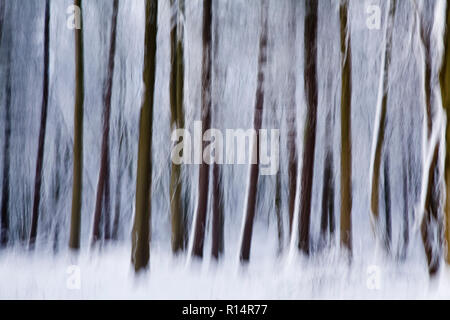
(108, 275)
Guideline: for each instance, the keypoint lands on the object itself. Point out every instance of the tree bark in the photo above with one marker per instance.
(199, 232)
(257, 121)
(141, 228)
(383, 115)
(346, 130)
(217, 247)
(311, 123)
(103, 202)
(42, 130)
(292, 120)
(444, 78)
(4, 226)
(177, 122)
(432, 217)
(75, 224)
(387, 204)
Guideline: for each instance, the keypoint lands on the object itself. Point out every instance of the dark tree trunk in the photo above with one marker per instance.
(257, 121)
(311, 122)
(75, 224)
(178, 215)
(199, 232)
(327, 224)
(431, 216)
(292, 120)
(4, 227)
(103, 203)
(346, 130)
(387, 205)
(217, 189)
(405, 172)
(444, 78)
(432, 220)
(141, 229)
(42, 130)
(383, 117)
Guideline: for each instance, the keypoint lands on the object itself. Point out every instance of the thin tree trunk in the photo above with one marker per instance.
(431, 216)
(383, 115)
(4, 227)
(346, 130)
(444, 78)
(431, 219)
(387, 204)
(327, 219)
(141, 229)
(405, 172)
(103, 204)
(217, 189)
(292, 120)
(257, 121)
(311, 122)
(42, 130)
(176, 103)
(2, 18)
(199, 232)
(75, 224)
(217, 216)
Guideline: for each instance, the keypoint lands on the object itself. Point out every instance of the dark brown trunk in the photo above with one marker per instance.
(387, 205)
(103, 204)
(310, 74)
(75, 223)
(257, 121)
(199, 232)
(217, 189)
(140, 253)
(42, 130)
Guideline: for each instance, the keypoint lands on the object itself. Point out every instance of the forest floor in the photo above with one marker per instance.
(108, 275)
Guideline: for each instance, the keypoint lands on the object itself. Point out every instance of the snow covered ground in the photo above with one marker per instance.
(108, 275)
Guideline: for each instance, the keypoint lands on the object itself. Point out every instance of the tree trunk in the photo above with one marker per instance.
(432, 217)
(217, 189)
(311, 122)
(75, 224)
(327, 224)
(292, 120)
(444, 78)
(383, 115)
(199, 232)
(141, 228)
(177, 122)
(257, 121)
(387, 205)
(346, 130)
(4, 227)
(2, 18)
(103, 204)
(42, 130)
